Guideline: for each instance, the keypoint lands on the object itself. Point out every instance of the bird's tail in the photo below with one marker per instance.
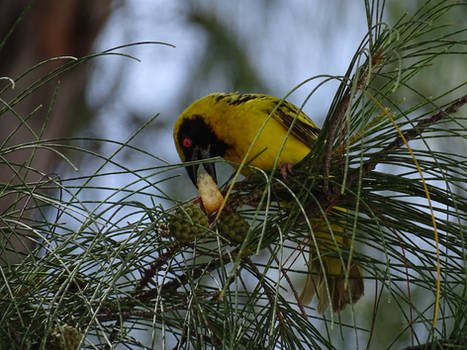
(331, 287)
(327, 279)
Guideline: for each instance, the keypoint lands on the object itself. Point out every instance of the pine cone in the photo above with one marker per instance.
(233, 227)
(188, 223)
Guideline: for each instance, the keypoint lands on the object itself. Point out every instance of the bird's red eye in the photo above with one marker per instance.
(187, 143)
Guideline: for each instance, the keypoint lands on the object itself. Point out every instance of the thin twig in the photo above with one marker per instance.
(149, 273)
(439, 345)
(173, 285)
(408, 136)
(336, 120)
(370, 164)
(268, 293)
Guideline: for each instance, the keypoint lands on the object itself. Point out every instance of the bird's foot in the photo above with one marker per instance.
(286, 168)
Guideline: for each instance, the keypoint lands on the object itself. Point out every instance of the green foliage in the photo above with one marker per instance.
(105, 266)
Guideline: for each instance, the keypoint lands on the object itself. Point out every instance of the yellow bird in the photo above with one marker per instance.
(226, 125)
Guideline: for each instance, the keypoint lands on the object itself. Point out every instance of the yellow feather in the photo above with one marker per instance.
(237, 123)
(236, 119)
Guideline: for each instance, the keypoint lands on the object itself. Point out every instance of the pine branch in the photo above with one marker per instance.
(440, 345)
(162, 260)
(330, 198)
(408, 136)
(336, 119)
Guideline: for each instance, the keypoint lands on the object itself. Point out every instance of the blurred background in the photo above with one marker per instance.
(266, 46)
(262, 46)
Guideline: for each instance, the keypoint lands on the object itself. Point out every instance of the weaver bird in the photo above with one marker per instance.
(227, 126)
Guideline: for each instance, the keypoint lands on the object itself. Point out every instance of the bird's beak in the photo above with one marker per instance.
(199, 154)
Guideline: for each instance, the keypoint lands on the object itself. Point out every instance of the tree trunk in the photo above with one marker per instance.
(49, 28)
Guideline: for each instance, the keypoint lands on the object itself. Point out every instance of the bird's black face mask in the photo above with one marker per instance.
(198, 141)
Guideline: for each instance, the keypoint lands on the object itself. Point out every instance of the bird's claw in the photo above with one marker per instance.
(286, 168)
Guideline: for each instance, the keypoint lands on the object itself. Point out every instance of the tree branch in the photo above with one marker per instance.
(408, 136)
(439, 345)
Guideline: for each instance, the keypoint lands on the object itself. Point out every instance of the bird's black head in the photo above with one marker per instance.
(198, 141)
